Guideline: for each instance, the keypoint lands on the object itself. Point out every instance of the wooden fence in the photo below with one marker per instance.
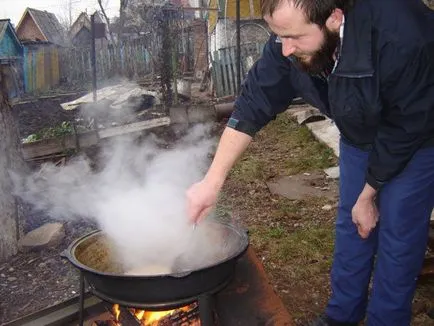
(130, 60)
(224, 68)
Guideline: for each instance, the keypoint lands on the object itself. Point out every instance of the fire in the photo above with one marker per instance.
(150, 318)
(116, 311)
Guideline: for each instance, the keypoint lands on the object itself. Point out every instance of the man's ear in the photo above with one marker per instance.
(334, 22)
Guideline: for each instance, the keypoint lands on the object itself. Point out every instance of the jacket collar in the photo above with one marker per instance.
(356, 55)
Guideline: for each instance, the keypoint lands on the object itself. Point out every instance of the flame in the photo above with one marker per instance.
(148, 318)
(151, 317)
(139, 314)
(116, 311)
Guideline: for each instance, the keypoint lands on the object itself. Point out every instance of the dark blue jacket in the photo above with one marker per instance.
(381, 94)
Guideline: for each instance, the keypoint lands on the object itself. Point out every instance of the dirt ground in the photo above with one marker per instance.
(294, 238)
(36, 114)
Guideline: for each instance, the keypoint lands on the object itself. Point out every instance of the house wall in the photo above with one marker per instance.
(41, 67)
(14, 81)
(82, 38)
(29, 31)
(9, 46)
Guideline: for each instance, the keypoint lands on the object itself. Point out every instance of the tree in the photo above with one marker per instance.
(10, 159)
(66, 19)
(107, 20)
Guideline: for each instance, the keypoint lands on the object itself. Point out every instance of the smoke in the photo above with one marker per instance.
(137, 197)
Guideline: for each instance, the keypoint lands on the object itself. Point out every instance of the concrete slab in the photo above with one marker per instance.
(327, 133)
(300, 186)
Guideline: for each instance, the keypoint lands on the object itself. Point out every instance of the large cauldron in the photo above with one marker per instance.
(107, 280)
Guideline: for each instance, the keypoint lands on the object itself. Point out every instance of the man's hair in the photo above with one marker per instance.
(316, 11)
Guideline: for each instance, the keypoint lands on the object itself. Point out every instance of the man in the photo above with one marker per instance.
(369, 66)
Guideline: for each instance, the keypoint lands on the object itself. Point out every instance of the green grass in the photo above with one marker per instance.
(285, 147)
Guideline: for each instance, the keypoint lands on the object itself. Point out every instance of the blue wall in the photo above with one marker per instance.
(9, 47)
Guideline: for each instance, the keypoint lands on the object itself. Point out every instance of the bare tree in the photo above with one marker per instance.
(107, 20)
(122, 11)
(10, 159)
(66, 18)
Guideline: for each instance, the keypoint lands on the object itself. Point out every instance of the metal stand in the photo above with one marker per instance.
(206, 309)
(81, 302)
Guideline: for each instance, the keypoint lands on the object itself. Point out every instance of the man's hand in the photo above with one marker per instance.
(201, 198)
(365, 212)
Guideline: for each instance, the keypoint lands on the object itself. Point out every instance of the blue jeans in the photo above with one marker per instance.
(398, 242)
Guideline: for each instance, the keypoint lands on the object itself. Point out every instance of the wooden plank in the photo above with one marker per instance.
(40, 71)
(226, 70)
(217, 71)
(234, 69)
(51, 146)
(133, 127)
(55, 66)
(61, 314)
(47, 70)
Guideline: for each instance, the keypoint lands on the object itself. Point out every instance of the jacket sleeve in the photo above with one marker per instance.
(265, 92)
(407, 91)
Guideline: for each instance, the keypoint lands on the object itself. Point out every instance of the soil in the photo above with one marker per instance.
(36, 114)
(35, 280)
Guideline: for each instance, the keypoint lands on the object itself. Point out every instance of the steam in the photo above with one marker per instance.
(137, 197)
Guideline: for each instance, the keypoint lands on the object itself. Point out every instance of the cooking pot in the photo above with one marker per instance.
(107, 280)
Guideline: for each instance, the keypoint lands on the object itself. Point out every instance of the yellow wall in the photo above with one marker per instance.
(249, 9)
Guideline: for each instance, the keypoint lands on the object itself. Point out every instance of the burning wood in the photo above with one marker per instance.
(184, 316)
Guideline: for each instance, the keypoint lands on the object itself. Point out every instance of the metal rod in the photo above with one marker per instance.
(81, 302)
(93, 56)
(238, 88)
(206, 309)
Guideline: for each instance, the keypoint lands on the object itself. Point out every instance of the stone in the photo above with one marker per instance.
(48, 235)
(200, 114)
(327, 207)
(333, 172)
(301, 186)
(12, 279)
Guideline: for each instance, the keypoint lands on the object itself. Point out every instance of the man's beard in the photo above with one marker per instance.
(322, 60)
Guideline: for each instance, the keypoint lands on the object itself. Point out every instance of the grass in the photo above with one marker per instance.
(290, 149)
(293, 238)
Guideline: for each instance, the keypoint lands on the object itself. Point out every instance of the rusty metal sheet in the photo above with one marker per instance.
(250, 299)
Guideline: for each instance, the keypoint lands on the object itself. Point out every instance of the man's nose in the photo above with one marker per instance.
(288, 47)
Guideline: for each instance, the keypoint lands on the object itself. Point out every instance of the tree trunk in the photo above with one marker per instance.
(10, 159)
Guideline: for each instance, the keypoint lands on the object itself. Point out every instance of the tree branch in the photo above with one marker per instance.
(107, 21)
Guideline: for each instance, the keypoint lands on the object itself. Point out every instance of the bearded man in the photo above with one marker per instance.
(369, 66)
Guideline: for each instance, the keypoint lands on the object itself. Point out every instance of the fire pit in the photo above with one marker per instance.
(108, 281)
(249, 299)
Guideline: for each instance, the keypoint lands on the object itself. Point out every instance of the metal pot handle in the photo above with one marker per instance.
(180, 275)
